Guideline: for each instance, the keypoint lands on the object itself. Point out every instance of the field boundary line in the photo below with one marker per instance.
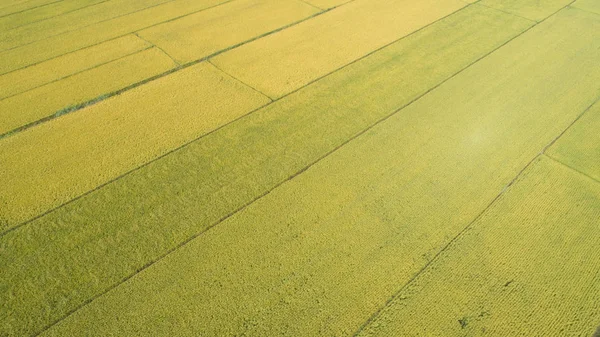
(514, 14)
(159, 48)
(73, 74)
(471, 223)
(28, 9)
(558, 161)
(240, 81)
(313, 6)
(168, 72)
(114, 38)
(82, 27)
(245, 205)
(102, 97)
(55, 16)
(590, 12)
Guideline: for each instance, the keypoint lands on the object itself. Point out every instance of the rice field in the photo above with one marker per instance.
(299, 168)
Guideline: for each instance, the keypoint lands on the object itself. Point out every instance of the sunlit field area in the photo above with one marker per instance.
(299, 168)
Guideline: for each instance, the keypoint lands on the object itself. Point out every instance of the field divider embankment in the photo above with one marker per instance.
(189, 64)
(465, 229)
(481, 3)
(159, 48)
(101, 98)
(246, 84)
(316, 7)
(21, 24)
(87, 45)
(78, 28)
(26, 9)
(558, 161)
(180, 67)
(71, 75)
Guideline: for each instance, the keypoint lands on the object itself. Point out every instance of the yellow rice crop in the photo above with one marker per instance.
(579, 148)
(74, 40)
(287, 60)
(71, 21)
(46, 100)
(342, 237)
(532, 9)
(84, 247)
(201, 34)
(32, 77)
(44, 12)
(588, 5)
(8, 7)
(527, 267)
(325, 4)
(51, 163)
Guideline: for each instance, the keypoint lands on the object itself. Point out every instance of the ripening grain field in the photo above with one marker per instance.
(299, 168)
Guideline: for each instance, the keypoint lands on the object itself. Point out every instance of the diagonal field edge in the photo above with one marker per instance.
(95, 44)
(206, 58)
(71, 75)
(470, 224)
(50, 17)
(80, 28)
(28, 9)
(90, 300)
(556, 160)
(150, 79)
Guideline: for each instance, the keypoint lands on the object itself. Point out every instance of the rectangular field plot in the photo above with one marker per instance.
(72, 21)
(54, 9)
(343, 236)
(35, 76)
(49, 164)
(195, 36)
(99, 32)
(287, 60)
(44, 101)
(528, 267)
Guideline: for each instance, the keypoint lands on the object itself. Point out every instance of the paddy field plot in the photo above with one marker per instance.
(299, 168)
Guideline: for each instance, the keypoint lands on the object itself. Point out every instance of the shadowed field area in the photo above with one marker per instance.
(299, 168)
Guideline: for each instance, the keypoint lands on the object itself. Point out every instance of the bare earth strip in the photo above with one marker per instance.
(77, 252)
(287, 60)
(528, 267)
(320, 253)
(46, 100)
(32, 77)
(198, 35)
(579, 148)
